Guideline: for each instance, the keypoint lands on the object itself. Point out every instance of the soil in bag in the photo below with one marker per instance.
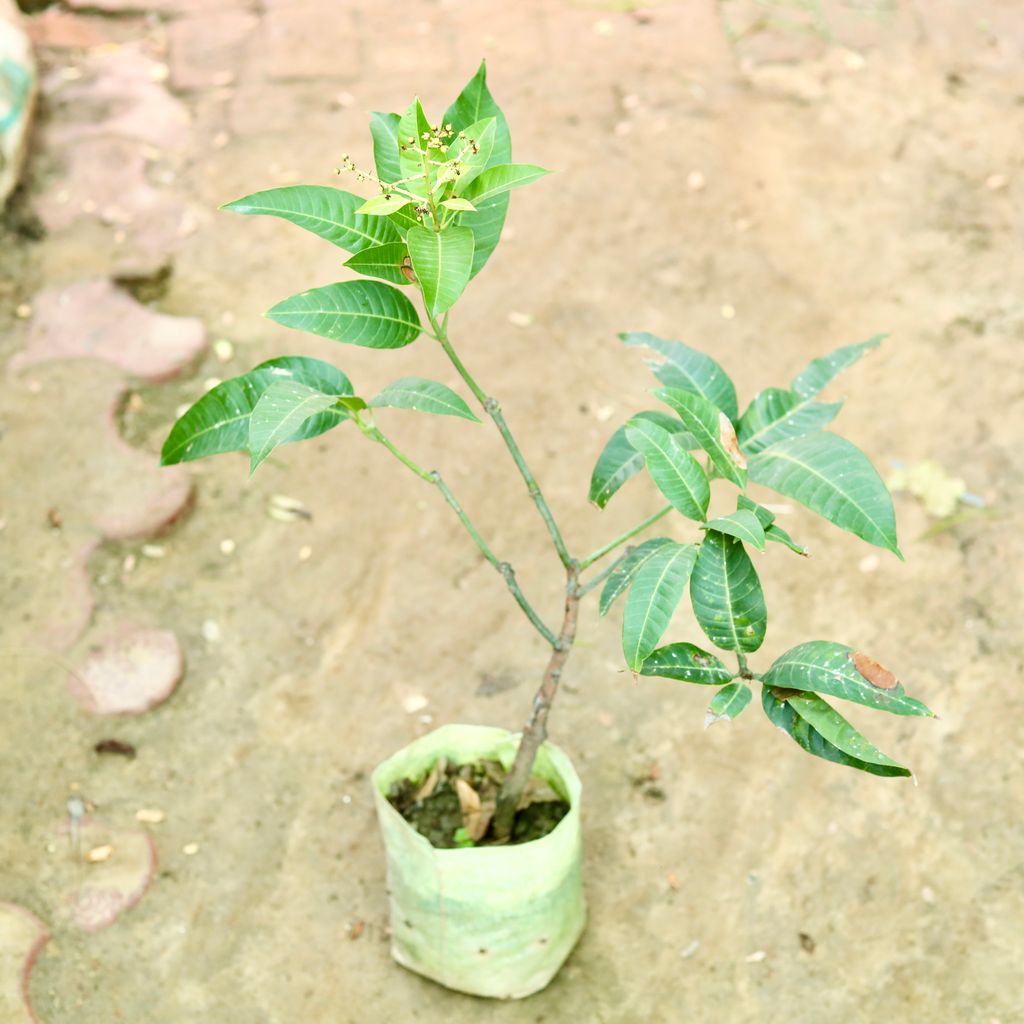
(454, 805)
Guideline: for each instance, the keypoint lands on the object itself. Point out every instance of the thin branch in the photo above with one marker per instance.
(493, 409)
(504, 569)
(602, 576)
(613, 544)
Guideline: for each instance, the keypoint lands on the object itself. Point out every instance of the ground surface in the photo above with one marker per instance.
(844, 191)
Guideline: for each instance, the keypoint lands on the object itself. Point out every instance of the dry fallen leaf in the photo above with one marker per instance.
(875, 673)
(430, 782)
(537, 791)
(98, 854)
(673, 881)
(356, 930)
(727, 435)
(476, 814)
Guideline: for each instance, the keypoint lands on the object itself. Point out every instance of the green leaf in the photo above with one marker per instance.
(822, 371)
(473, 104)
(383, 205)
(775, 415)
(443, 261)
(729, 702)
(726, 595)
(686, 663)
(826, 667)
(656, 590)
(779, 535)
(366, 313)
(219, 421)
(459, 205)
(712, 429)
(764, 516)
(675, 472)
(620, 460)
(411, 148)
(404, 219)
(384, 129)
(503, 178)
(385, 261)
(471, 151)
(689, 370)
(742, 524)
(834, 478)
(799, 718)
(423, 396)
(327, 212)
(620, 579)
(280, 413)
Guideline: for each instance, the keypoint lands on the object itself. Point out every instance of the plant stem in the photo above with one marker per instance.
(605, 573)
(493, 409)
(535, 731)
(504, 568)
(612, 545)
(741, 660)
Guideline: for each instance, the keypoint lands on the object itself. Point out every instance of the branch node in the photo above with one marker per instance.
(492, 407)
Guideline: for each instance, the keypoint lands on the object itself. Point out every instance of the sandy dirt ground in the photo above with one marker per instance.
(764, 196)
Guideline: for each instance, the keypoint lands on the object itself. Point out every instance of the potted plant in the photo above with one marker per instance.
(481, 826)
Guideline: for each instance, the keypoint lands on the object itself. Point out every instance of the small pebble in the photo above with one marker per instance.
(728, 312)
(604, 27)
(190, 849)
(346, 799)
(223, 349)
(220, 140)
(129, 563)
(23, 311)
(756, 958)
(520, 319)
(603, 413)
(135, 402)
(153, 550)
(159, 72)
(928, 894)
(305, 553)
(414, 702)
(211, 632)
(687, 951)
(98, 854)
(211, 382)
(994, 182)
(150, 815)
(227, 546)
(286, 509)
(695, 181)
(869, 563)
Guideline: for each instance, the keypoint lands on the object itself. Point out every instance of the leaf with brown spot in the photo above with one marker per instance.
(727, 435)
(874, 672)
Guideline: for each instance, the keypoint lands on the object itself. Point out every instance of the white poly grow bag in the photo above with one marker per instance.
(492, 921)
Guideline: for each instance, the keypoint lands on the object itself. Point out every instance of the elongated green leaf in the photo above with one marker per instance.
(503, 178)
(785, 715)
(686, 663)
(459, 205)
(383, 205)
(443, 261)
(280, 413)
(471, 152)
(729, 702)
(619, 580)
(675, 472)
(412, 147)
(822, 371)
(776, 414)
(764, 516)
(404, 219)
(726, 595)
(712, 429)
(384, 261)
(742, 524)
(367, 313)
(620, 460)
(327, 212)
(423, 396)
(689, 370)
(826, 667)
(656, 590)
(834, 478)
(778, 534)
(219, 421)
(384, 129)
(473, 104)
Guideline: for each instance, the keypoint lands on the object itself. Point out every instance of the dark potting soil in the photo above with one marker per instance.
(454, 804)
